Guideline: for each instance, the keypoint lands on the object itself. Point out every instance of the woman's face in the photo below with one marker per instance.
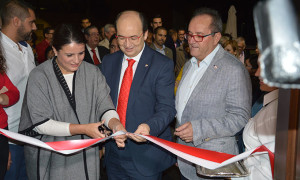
(114, 47)
(230, 49)
(69, 57)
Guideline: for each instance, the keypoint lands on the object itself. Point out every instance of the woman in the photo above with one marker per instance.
(261, 130)
(232, 47)
(9, 95)
(113, 44)
(66, 99)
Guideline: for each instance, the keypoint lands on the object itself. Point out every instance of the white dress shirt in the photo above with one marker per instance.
(19, 64)
(261, 129)
(91, 53)
(190, 81)
(125, 65)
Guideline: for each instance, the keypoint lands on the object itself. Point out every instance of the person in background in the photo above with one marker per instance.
(109, 30)
(242, 49)
(49, 53)
(93, 53)
(18, 24)
(180, 37)
(252, 66)
(102, 36)
(156, 21)
(32, 43)
(67, 99)
(259, 130)
(159, 39)
(183, 55)
(113, 44)
(41, 47)
(149, 39)
(213, 99)
(225, 37)
(9, 95)
(85, 22)
(142, 85)
(231, 47)
(173, 34)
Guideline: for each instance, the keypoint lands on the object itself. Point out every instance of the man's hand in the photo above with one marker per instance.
(116, 126)
(120, 140)
(185, 132)
(142, 129)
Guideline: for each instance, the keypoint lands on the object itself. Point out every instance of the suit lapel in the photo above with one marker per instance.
(115, 77)
(140, 73)
(207, 77)
(88, 57)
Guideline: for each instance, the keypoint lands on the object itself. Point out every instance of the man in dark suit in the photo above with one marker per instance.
(148, 107)
(93, 53)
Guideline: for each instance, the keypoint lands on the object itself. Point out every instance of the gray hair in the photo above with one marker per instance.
(107, 27)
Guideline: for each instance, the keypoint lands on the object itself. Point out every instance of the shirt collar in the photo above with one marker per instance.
(207, 60)
(163, 48)
(271, 96)
(89, 48)
(10, 42)
(136, 58)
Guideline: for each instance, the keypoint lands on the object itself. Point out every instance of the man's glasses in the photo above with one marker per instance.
(131, 38)
(94, 34)
(197, 37)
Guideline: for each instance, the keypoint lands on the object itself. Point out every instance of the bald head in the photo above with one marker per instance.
(131, 33)
(133, 15)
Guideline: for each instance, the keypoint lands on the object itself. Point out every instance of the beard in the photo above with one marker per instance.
(24, 36)
(160, 42)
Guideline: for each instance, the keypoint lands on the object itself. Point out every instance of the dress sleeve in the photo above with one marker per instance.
(12, 92)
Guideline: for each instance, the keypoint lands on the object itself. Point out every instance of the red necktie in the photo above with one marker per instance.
(124, 92)
(96, 60)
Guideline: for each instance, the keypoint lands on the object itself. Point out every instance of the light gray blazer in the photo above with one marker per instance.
(218, 107)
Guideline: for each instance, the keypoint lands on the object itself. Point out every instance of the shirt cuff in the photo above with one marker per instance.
(108, 115)
(54, 128)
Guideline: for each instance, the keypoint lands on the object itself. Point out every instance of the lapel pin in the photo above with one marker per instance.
(215, 67)
(146, 65)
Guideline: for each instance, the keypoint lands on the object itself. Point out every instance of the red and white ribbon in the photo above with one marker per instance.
(206, 158)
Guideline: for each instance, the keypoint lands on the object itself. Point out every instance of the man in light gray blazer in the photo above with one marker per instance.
(213, 100)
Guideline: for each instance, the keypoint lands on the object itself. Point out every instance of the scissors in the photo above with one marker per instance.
(105, 130)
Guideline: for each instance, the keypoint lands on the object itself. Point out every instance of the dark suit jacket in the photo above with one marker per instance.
(101, 50)
(151, 101)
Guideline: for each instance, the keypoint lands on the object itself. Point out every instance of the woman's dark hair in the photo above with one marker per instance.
(112, 38)
(2, 61)
(66, 34)
(48, 49)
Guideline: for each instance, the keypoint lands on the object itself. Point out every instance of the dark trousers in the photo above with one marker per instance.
(124, 169)
(17, 169)
(3, 155)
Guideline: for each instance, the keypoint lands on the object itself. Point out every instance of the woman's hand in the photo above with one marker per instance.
(90, 130)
